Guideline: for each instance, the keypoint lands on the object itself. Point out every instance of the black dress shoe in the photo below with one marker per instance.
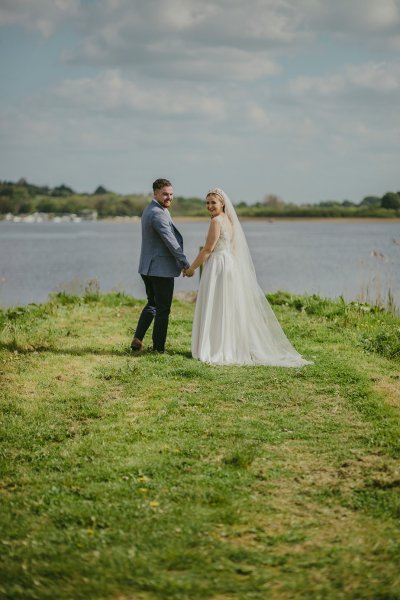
(136, 345)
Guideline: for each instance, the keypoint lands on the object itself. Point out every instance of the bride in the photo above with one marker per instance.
(233, 321)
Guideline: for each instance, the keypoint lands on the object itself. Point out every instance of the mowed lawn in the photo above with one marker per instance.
(156, 476)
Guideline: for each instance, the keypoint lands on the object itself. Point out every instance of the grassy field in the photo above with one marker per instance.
(155, 476)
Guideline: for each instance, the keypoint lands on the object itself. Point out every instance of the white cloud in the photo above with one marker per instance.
(109, 92)
(222, 64)
(357, 15)
(181, 40)
(369, 23)
(44, 16)
(373, 78)
(214, 39)
(257, 116)
(352, 112)
(114, 31)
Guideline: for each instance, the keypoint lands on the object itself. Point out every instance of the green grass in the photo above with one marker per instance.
(156, 476)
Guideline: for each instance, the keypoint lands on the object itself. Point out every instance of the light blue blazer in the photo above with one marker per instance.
(162, 245)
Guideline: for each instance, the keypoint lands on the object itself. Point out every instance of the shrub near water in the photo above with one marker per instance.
(380, 329)
(156, 476)
(386, 343)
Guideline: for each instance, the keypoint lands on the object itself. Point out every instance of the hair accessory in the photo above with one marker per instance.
(217, 192)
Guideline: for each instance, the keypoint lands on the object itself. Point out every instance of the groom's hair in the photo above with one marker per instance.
(161, 183)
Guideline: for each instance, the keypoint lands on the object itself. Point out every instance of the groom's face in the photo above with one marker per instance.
(164, 196)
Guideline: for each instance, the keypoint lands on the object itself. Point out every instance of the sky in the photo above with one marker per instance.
(299, 98)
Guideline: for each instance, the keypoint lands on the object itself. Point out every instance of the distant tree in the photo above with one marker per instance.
(273, 201)
(47, 205)
(6, 189)
(347, 203)
(390, 200)
(27, 206)
(72, 204)
(6, 205)
(370, 201)
(100, 190)
(184, 206)
(102, 207)
(62, 190)
(127, 207)
(329, 203)
(241, 205)
(20, 198)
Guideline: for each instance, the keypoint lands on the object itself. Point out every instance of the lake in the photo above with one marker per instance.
(323, 257)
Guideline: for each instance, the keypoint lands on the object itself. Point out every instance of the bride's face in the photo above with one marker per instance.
(214, 205)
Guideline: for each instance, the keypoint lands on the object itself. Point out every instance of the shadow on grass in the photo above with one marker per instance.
(72, 351)
(12, 347)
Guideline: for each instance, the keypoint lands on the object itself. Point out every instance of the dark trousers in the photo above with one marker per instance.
(159, 292)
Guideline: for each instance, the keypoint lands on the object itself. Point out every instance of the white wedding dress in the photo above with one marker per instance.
(233, 321)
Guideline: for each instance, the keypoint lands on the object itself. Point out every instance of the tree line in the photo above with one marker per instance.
(387, 205)
(22, 197)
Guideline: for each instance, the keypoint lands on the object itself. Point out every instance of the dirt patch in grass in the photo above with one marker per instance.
(310, 470)
(390, 390)
(326, 540)
(304, 496)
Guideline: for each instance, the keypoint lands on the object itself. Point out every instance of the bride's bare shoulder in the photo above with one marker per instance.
(216, 221)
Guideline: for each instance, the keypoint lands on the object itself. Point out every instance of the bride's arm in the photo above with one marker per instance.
(211, 241)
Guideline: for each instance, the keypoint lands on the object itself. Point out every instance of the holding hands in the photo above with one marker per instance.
(189, 272)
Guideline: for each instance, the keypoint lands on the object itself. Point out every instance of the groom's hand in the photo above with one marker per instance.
(188, 272)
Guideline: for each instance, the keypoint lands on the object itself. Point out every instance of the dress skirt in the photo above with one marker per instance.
(233, 325)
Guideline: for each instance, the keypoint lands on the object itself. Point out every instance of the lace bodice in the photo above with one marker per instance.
(225, 237)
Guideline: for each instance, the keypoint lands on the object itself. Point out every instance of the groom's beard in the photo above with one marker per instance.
(165, 203)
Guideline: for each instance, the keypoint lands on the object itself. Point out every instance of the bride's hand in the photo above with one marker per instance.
(189, 272)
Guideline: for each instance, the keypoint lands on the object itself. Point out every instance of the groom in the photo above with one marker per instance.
(161, 259)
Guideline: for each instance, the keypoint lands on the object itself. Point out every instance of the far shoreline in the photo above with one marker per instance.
(271, 220)
(195, 219)
(303, 219)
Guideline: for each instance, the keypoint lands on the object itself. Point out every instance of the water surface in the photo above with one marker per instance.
(328, 258)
